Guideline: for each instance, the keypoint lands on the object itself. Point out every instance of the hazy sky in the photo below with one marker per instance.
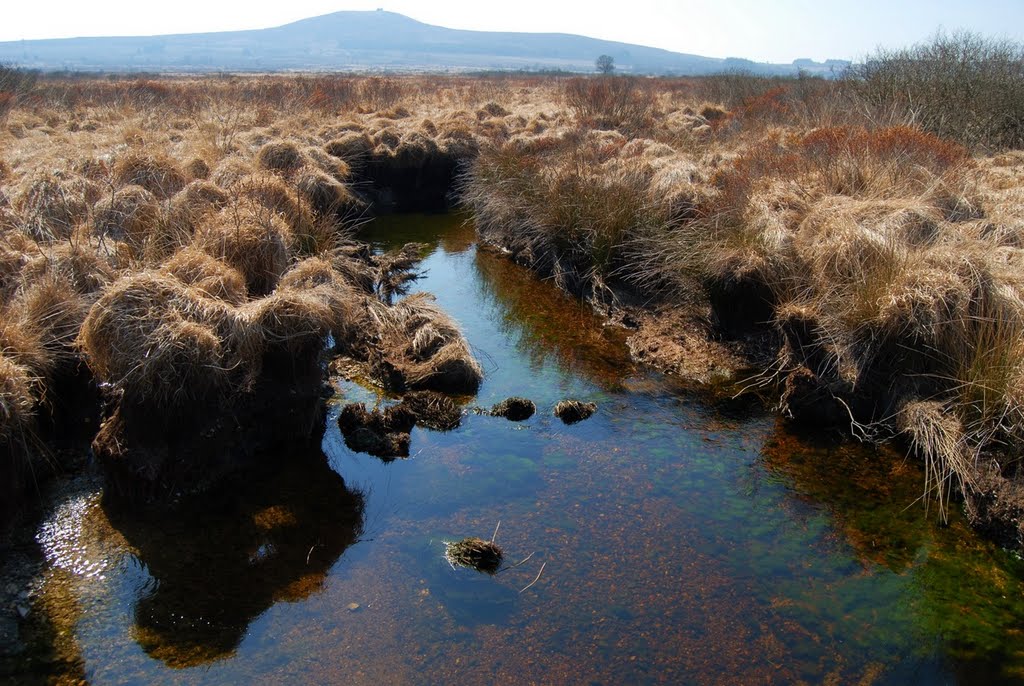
(763, 30)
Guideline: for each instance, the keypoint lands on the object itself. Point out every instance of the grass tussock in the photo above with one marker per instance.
(278, 198)
(514, 409)
(129, 215)
(573, 411)
(211, 276)
(52, 204)
(163, 342)
(251, 239)
(382, 433)
(326, 195)
(17, 401)
(192, 256)
(421, 348)
(568, 207)
(433, 410)
(281, 157)
(159, 174)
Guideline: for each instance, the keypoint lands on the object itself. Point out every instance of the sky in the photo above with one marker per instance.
(761, 30)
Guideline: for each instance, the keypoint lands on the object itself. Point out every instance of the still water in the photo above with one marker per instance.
(671, 539)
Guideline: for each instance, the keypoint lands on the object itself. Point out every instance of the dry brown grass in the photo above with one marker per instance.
(326, 195)
(897, 249)
(483, 556)
(159, 174)
(422, 348)
(184, 237)
(350, 147)
(281, 157)
(162, 342)
(52, 204)
(17, 400)
(81, 262)
(251, 239)
(894, 246)
(128, 214)
(212, 277)
(280, 198)
(56, 311)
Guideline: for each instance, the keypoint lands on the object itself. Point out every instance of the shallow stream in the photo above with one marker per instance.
(674, 539)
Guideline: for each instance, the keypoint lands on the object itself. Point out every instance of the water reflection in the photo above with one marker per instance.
(454, 233)
(550, 327)
(217, 568)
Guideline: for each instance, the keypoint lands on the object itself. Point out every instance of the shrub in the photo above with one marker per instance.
(17, 80)
(960, 86)
(621, 102)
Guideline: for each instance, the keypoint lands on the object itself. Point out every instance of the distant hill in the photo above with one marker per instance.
(367, 41)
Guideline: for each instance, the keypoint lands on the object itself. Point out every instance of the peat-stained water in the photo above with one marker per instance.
(670, 539)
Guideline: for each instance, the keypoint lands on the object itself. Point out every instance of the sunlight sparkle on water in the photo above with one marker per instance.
(60, 537)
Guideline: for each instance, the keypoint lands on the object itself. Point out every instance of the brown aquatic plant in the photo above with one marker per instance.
(420, 347)
(572, 411)
(433, 410)
(382, 433)
(483, 556)
(514, 409)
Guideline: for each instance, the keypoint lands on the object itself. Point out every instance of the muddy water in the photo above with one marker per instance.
(670, 540)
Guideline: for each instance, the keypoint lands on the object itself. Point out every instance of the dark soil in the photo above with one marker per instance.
(407, 180)
(151, 459)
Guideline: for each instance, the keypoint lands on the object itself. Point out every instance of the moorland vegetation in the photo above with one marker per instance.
(852, 249)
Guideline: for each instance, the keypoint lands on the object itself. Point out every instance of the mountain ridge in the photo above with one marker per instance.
(367, 41)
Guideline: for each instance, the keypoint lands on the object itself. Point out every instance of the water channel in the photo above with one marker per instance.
(682, 539)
